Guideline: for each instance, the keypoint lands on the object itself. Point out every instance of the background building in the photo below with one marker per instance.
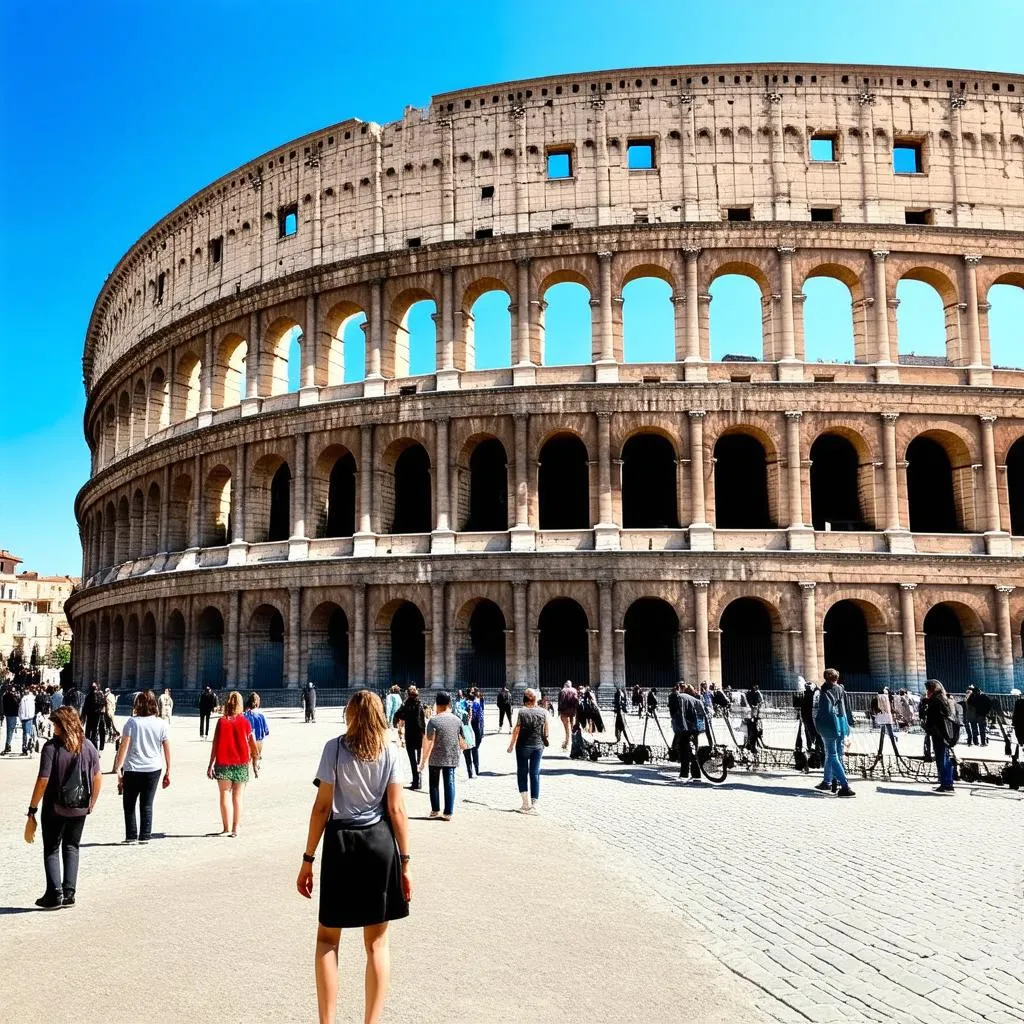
(32, 609)
(261, 512)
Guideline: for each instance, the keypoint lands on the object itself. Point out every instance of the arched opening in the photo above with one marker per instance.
(648, 321)
(229, 381)
(416, 339)
(139, 412)
(563, 484)
(130, 668)
(481, 662)
(353, 346)
(266, 647)
(217, 507)
(116, 653)
(328, 646)
(930, 488)
(334, 493)
(109, 535)
(489, 331)
(649, 497)
(179, 514)
(101, 664)
(412, 507)
(124, 412)
(920, 321)
(835, 490)
(567, 325)
(485, 508)
(109, 434)
(270, 499)
(563, 644)
(947, 654)
(159, 410)
(736, 319)
(1006, 322)
(748, 646)
(651, 643)
(847, 648)
(147, 651)
(187, 377)
(122, 533)
(741, 484)
(280, 369)
(407, 633)
(828, 321)
(211, 648)
(91, 654)
(1015, 485)
(135, 525)
(174, 651)
(151, 529)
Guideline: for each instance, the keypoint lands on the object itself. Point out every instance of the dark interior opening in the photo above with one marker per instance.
(741, 484)
(930, 488)
(279, 526)
(483, 663)
(341, 498)
(563, 644)
(1015, 485)
(846, 645)
(747, 653)
(945, 649)
(649, 483)
(651, 643)
(412, 491)
(488, 488)
(835, 499)
(564, 484)
(408, 646)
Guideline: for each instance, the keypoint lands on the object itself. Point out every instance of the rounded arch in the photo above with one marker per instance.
(210, 647)
(832, 334)
(147, 650)
(229, 378)
(1005, 298)
(139, 421)
(269, 510)
(280, 364)
(855, 643)
(651, 643)
(151, 526)
(266, 647)
(650, 497)
(927, 315)
(842, 474)
(480, 658)
(130, 670)
(563, 644)
(648, 319)
(124, 414)
(188, 371)
(412, 341)
(1015, 485)
(482, 485)
(328, 646)
(736, 320)
(647, 268)
(563, 483)
(406, 502)
(174, 650)
(121, 538)
(486, 338)
(159, 401)
(217, 507)
(953, 645)
(333, 492)
(136, 522)
(179, 512)
(939, 483)
(341, 356)
(744, 480)
(751, 645)
(402, 654)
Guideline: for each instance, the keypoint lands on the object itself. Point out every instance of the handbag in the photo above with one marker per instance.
(468, 735)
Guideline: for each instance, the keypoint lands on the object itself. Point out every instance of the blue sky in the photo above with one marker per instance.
(113, 113)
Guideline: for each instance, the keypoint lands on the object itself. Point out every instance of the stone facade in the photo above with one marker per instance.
(32, 609)
(236, 531)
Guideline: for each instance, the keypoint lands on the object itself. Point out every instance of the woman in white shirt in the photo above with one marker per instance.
(144, 754)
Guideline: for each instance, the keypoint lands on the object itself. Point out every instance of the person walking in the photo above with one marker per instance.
(392, 703)
(940, 725)
(142, 756)
(529, 738)
(11, 702)
(68, 785)
(260, 730)
(675, 717)
(110, 710)
(904, 712)
(166, 703)
(692, 712)
(232, 749)
(504, 702)
(833, 727)
(979, 706)
(27, 715)
(469, 739)
(884, 719)
(93, 709)
(638, 700)
(359, 811)
(442, 742)
(411, 720)
(207, 702)
(568, 706)
(620, 704)
(56, 699)
(309, 701)
(477, 721)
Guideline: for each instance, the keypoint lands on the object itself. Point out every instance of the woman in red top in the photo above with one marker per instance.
(233, 748)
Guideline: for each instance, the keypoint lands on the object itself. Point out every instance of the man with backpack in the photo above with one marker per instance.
(568, 705)
(833, 727)
(504, 702)
(941, 725)
(692, 714)
(979, 707)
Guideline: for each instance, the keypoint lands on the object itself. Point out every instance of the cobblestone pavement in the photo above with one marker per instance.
(630, 897)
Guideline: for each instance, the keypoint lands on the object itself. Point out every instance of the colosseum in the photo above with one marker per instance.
(308, 462)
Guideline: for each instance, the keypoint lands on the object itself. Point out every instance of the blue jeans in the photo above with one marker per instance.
(528, 764)
(943, 762)
(12, 724)
(28, 732)
(834, 760)
(435, 773)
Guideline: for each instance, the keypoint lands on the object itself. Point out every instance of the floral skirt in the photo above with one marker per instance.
(231, 772)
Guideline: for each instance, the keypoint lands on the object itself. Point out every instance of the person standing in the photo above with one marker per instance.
(477, 719)
(110, 710)
(412, 723)
(73, 699)
(207, 702)
(142, 756)
(692, 713)
(939, 712)
(675, 717)
(232, 749)
(621, 706)
(56, 699)
(309, 701)
(93, 709)
(27, 715)
(638, 700)
(469, 738)
(260, 729)
(833, 727)
(504, 702)
(69, 770)
(807, 698)
(442, 742)
(166, 703)
(568, 706)
(754, 699)
(392, 703)
(11, 703)
(979, 705)
(529, 738)
(364, 880)
(884, 719)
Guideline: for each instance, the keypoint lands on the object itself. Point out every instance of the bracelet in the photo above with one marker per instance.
(32, 811)
(308, 859)
(404, 858)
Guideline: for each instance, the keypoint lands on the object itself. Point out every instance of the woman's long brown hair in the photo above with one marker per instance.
(70, 726)
(367, 726)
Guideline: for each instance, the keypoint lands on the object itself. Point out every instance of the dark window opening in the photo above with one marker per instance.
(564, 484)
(488, 488)
(823, 149)
(919, 217)
(1015, 485)
(823, 213)
(847, 648)
(266, 648)
(211, 648)
(640, 154)
(748, 654)
(946, 656)
(481, 233)
(407, 661)
(563, 646)
(651, 644)
(649, 483)
(835, 499)
(559, 164)
(737, 213)
(487, 192)
(279, 524)
(741, 484)
(287, 221)
(412, 243)
(412, 491)
(328, 653)
(216, 249)
(564, 226)
(907, 157)
(930, 488)
(161, 283)
(341, 499)
(482, 662)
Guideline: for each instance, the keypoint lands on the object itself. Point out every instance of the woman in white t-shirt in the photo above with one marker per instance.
(144, 753)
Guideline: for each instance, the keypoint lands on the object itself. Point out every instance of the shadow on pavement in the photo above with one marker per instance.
(4, 911)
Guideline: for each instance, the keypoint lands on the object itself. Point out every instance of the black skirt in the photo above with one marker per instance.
(361, 876)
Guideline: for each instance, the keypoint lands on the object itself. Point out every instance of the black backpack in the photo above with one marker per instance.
(76, 789)
(950, 731)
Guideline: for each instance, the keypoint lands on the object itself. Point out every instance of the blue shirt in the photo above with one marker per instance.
(56, 700)
(260, 729)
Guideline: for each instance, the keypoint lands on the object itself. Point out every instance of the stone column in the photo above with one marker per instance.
(357, 673)
(607, 623)
(373, 382)
(1005, 638)
(601, 160)
(694, 368)
(237, 546)
(364, 542)
(908, 624)
(206, 383)
(523, 371)
(606, 532)
(702, 536)
(159, 650)
(234, 663)
(898, 536)
(997, 541)
(165, 504)
(808, 626)
(700, 612)
(447, 374)
(801, 536)
(190, 557)
(789, 369)
(977, 373)
(298, 543)
(437, 634)
(310, 340)
(522, 632)
(886, 371)
(607, 369)
(442, 542)
(522, 537)
(252, 366)
(294, 636)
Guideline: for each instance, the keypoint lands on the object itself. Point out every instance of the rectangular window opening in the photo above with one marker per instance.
(216, 249)
(739, 378)
(907, 157)
(564, 226)
(824, 149)
(487, 192)
(287, 221)
(559, 164)
(483, 233)
(919, 217)
(640, 154)
(161, 282)
(407, 389)
(412, 243)
(823, 213)
(738, 213)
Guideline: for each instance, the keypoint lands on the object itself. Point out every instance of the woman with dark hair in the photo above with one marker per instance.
(144, 753)
(940, 709)
(69, 770)
(260, 729)
(364, 881)
(232, 749)
(411, 721)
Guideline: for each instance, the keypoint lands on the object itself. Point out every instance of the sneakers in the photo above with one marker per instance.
(435, 814)
(846, 791)
(835, 786)
(446, 817)
(69, 898)
(51, 901)
(823, 786)
(943, 789)
(128, 842)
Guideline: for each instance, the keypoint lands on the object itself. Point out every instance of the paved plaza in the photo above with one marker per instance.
(630, 897)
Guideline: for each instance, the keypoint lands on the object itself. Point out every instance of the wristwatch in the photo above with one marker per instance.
(308, 859)
(32, 812)
(404, 858)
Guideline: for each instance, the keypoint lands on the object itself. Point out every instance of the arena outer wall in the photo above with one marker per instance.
(206, 561)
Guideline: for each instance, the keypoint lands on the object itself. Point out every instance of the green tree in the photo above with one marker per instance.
(59, 656)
